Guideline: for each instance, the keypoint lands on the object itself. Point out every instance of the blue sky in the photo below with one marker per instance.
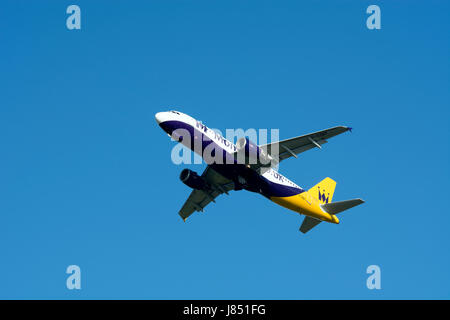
(87, 179)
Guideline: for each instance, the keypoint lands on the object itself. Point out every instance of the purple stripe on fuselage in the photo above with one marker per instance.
(280, 190)
(229, 167)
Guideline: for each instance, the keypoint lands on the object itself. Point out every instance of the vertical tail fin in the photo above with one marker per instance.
(324, 190)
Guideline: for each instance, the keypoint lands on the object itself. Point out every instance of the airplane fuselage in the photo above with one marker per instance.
(269, 183)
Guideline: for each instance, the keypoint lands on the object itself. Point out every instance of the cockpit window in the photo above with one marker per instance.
(176, 112)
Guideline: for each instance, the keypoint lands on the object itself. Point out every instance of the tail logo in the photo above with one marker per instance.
(322, 196)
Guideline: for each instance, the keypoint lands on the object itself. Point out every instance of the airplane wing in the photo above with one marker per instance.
(292, 147)
(199, 199)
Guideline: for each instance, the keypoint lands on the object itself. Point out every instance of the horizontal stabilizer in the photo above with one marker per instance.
(308, 224)
(336, 207)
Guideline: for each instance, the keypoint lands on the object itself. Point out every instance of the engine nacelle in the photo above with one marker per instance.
(192, 179)
(250, 153)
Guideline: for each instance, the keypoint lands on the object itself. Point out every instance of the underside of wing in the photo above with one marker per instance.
(199, 199)
(292, 147)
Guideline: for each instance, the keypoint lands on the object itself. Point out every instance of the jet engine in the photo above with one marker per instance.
(192, 179)
(250, 153)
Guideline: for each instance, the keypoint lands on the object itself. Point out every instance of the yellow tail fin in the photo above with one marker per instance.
(324, 190)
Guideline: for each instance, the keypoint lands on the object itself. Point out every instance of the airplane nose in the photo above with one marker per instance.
(159, 117)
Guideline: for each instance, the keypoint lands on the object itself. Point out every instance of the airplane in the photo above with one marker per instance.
(246, 166)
